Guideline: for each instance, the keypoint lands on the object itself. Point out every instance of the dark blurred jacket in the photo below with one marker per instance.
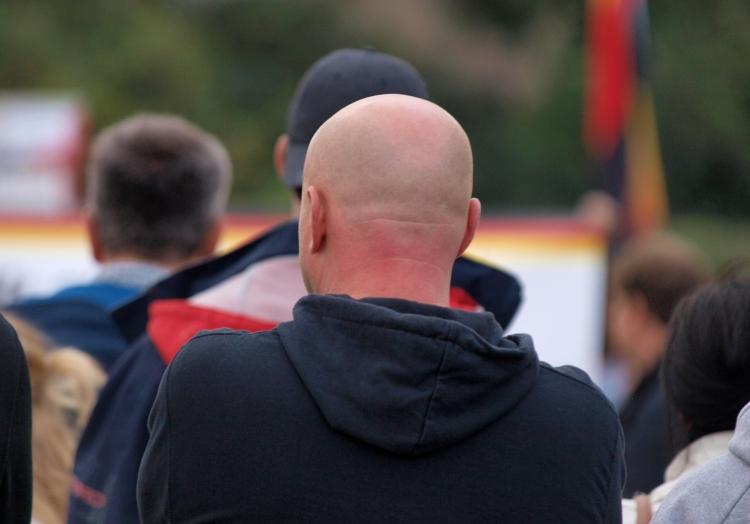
(16, 479)
(79, 317)
(265, 272)
(76, 322)
(647, 449)
(378, 410)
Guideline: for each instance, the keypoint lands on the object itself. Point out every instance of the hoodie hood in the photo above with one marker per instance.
(406, 377)
(740, 443)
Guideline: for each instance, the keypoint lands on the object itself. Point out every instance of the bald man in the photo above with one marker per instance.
(377, 402)
(253, 287)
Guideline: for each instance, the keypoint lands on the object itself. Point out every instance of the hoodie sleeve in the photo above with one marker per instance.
(16, 478)
(153, 476)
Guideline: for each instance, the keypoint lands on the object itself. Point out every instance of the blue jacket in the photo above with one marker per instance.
(161, 320)
(79, 317)
(378, 410)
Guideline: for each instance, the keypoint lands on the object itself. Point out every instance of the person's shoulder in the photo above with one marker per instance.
(572, 387)
(224, 368)
(225, 348)
(572, 377)
(228, 339)
(100, 293)
(719, 489)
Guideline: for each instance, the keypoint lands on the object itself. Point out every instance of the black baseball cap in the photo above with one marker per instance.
(332, 83)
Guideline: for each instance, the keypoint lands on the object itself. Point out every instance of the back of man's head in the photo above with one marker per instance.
(332, 83)
(157, 187)
(387, 205)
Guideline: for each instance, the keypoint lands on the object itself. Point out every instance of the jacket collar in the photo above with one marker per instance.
(697, 454)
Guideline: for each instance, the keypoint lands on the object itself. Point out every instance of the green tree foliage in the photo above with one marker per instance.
(232, 66)
(702, 88)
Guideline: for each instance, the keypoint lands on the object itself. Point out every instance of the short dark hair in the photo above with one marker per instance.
(660, 267)
(706, 367)
(156, 184)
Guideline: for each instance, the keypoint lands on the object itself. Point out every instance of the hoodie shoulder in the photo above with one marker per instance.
(574, 375)
(719, 491)
(225, 354)
(579, 384)
(226, 343)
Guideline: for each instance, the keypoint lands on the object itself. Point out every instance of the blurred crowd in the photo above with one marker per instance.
(360, 371)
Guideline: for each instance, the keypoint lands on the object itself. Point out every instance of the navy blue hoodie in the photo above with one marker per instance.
(379, 410)
(110, 451)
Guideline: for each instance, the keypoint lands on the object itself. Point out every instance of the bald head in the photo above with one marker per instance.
(394, 157)
(387, 183)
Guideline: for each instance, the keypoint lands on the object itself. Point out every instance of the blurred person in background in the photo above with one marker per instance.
(648, 278)
(64, 386)
(16, 478)
(379, 402)
(156, 193)
(252, 288)
(706, 380)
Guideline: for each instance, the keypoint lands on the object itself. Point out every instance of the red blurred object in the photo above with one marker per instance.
(619, 121)
(610, 73)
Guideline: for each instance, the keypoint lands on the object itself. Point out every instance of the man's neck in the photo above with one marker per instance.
(126, 258)
(131, 274)
(404, 279)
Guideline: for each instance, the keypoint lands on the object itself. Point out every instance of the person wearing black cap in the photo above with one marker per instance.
(252, 288)
(334, 82)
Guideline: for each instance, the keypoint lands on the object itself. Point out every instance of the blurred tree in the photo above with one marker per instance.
(702, 89)
(510, 71)
(229, 67)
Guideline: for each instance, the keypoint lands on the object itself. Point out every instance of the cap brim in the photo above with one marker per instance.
(295, 163)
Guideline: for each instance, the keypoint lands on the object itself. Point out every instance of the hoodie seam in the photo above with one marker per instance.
(203, 333)
(574, 379)
(440, 337)
(443, 358)
(449, 337)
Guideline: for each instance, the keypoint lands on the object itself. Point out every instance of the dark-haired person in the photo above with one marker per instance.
(648, 279)
(156, 191)
(706, 377)
(16, 478)
(252, 288)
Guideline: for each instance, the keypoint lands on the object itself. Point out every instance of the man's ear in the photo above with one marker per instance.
(279, 155)
(472, 222)
(317, 219)
(92, 228)
(211, 240)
